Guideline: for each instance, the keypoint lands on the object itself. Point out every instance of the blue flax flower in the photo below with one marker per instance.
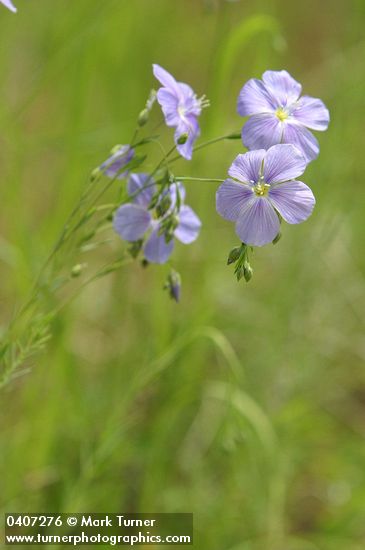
(262, 185)
(120, 157)
(181, 108)
(279, 115)
(134, 220)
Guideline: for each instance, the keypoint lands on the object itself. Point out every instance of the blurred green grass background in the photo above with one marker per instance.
(245, 404)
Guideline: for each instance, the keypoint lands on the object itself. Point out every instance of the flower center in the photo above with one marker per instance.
(261, 188)
(282, 114)
(181, 110)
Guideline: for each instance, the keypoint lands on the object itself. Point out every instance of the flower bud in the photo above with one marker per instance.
(183, 139)
(143, 117)
(173, 285)
(76, 270)
(239, 271)
(95, 174)
(247, 272)
(234, 255)
(116, 149)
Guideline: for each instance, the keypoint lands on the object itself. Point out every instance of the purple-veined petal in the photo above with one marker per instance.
(247, 167)
(8, 4)
(189, 225)
(169, 104)
(258, 223)
(312, 112)
(113, 165)
(282, 87)
(141, 188)
(283, 162)
(262, 131)
(297, 134)
(173, 189)
(189, 126)
(131, 221)
(231, 198)
(165, 78)
(254, 98)
(188, 100)
(156, 249)
(293, 200)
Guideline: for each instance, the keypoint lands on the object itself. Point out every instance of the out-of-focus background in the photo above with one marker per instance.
(245, 404)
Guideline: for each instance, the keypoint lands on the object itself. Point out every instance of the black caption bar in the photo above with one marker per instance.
(97, 529)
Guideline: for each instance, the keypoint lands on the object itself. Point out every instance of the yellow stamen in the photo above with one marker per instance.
(282, 114)
(261, 189)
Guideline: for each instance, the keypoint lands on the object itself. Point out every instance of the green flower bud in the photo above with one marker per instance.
(183, 139)
(95, 174)
(143, 117)
(234, 255)
(239, 271)
(173, 285)
(76, 270)
(115, 149)
(247, 272)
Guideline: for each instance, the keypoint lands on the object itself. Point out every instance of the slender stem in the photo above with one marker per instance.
(206, 144)
(163, 160)
(105, 270)
(188, 178)
(136, 131)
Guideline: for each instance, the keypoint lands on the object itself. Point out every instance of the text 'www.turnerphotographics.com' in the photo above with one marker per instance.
(98, 529)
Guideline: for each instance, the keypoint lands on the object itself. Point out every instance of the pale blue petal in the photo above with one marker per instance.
(169, 103)
(262, 131)
(254, 98)
(282, 87)
(247, 167)
(293, 200)
(141, 188)
(283, 162)
(312, 112)
(131, 221)
(9, 4)
(258, 223)
(156, 249)
(231, 198)
(189, 126)
(189, 225)
(173, 189)
(115, 163)
(165, 78)
(298, 135)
